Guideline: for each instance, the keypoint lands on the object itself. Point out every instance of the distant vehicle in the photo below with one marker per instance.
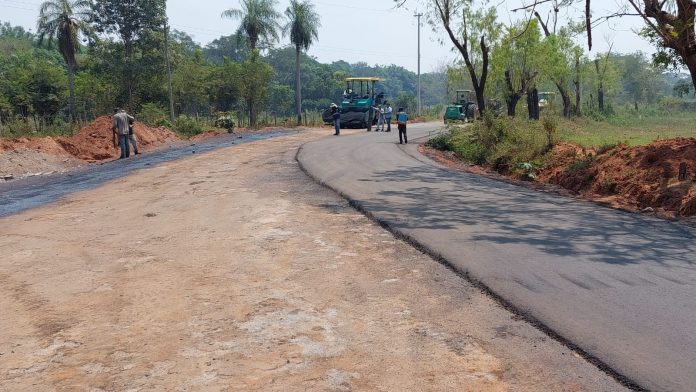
(359, 101)
(464, 107)
(546, 99)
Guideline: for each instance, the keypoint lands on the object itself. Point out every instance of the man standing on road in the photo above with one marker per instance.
(388, 116)
(119, 127)
(401, 121)
(336, 116)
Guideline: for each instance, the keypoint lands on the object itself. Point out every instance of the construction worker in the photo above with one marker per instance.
(336, 116)
(119, 127)
(401, 121)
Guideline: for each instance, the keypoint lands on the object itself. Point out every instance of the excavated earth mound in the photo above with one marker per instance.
(94, 142)
(29, 156)
(660, 176)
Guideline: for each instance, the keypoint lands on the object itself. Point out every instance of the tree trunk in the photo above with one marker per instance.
(566, 99)
(576, 82)
(298, 85)
(533, 104)
(578, 102)
(690, 62)
(71, 88)
(252, 114)
(600, 97)
(512, 100)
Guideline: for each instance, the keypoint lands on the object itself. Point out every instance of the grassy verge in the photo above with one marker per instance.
(631, 128)
(506, 145)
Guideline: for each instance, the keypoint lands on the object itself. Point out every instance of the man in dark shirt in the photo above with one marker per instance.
(336, 116)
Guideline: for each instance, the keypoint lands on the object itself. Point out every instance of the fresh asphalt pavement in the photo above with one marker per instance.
(619, 286)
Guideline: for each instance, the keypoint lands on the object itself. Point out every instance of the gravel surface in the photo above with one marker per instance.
(232, 270)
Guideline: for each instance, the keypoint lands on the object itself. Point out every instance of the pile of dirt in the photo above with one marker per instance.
(46, 145)
(643, 177)
(94, 142)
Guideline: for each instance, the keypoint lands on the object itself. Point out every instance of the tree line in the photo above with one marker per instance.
(90, 56)
(541, 52)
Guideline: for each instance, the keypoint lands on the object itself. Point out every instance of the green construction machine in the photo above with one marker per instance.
(546, 99)
(359, 101)
(464, 107)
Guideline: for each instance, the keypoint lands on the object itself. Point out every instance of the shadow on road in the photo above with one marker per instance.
(550, 223)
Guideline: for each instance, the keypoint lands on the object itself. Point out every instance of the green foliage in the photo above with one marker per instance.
(507, 145)
(519, 54)
(187, 126)
(406, 101)
(152, 114)
(131, 20)
(259, 22)
(550, 124)
(226, 121)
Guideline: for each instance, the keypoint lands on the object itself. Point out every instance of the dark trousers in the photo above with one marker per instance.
(388, 119)
(125, 148)
(337, 127)
(402, 131)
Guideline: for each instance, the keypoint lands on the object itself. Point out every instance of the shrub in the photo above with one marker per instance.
(187, 126)
(153, 115)
(507, 145)
(581, 164)
(550, 124)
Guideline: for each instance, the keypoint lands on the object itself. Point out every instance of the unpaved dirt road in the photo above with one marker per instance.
(232, 270)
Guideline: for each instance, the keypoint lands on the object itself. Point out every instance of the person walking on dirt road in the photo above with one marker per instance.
(119, 127)
(401, 121)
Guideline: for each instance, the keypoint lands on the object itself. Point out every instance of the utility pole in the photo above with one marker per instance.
(418, 15)
(169, 72)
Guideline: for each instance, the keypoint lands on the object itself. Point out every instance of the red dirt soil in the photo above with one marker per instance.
(94, 142)
(643, 178)
(636, 177)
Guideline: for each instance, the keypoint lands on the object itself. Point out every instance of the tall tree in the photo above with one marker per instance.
(303, 25)
(515, 62)
(559, 60)
(65, 20)
(259, 21)
(478, 27)
(255, 76)
(671, 26)
(130, 20)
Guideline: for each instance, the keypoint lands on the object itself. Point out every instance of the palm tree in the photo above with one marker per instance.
(259, 20)
(303, 25)
(65, 20)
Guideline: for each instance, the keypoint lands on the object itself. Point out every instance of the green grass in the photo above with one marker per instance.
(630, 128)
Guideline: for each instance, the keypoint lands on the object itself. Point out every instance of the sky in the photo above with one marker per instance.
(362, 30)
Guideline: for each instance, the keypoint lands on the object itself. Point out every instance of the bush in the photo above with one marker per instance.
(550, 126)
(153, 115)
(507, 145)
(187, 126)
(226, 121)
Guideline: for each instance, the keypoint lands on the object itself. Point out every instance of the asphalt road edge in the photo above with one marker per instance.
(465, 275)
